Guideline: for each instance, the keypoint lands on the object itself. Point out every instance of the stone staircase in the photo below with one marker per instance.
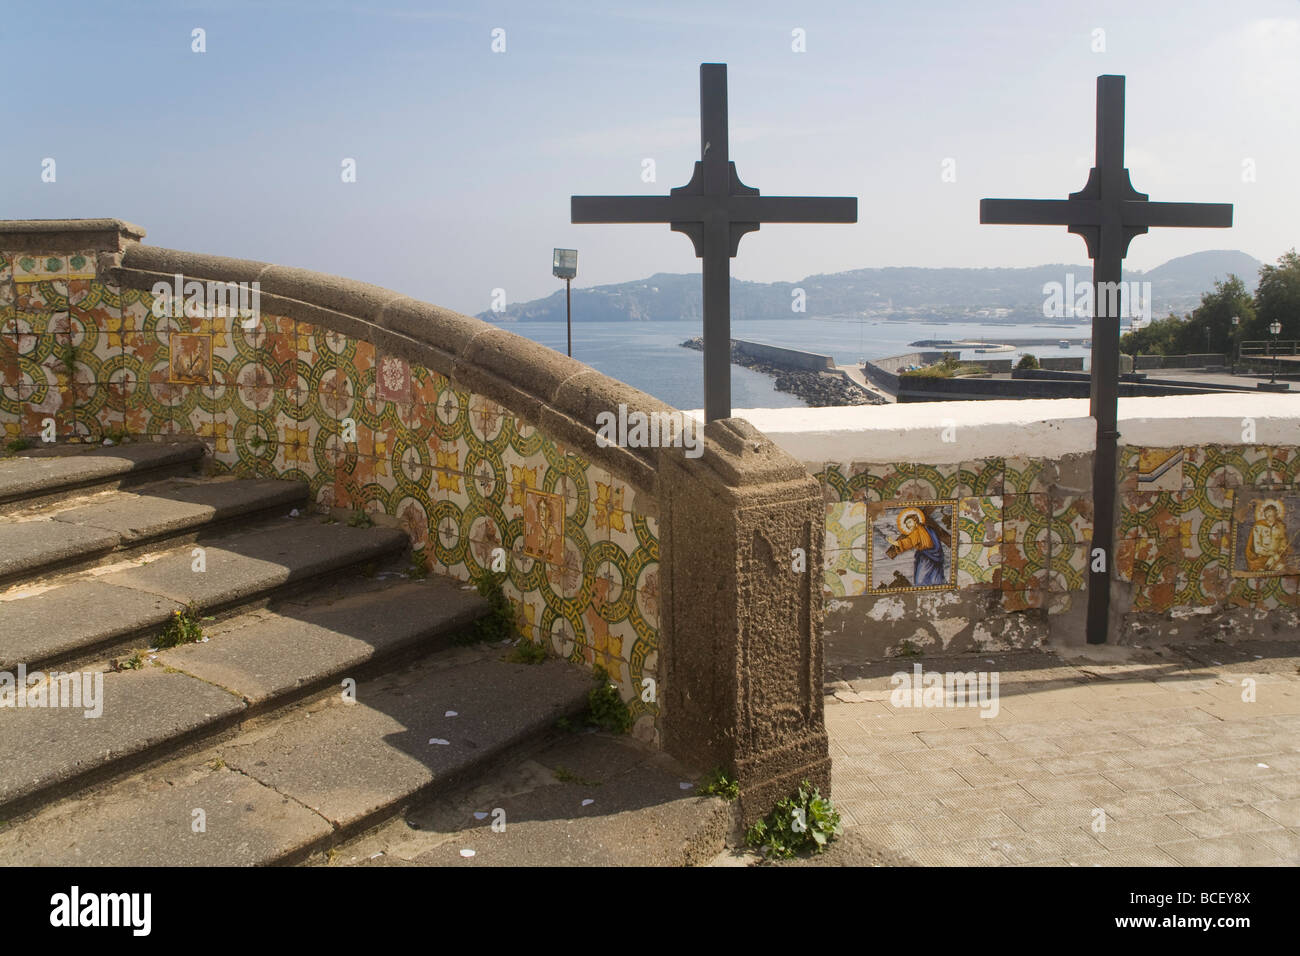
(326, 695)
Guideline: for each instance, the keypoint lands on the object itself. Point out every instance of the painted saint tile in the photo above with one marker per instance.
(910, 545)
(190, 359)
(1265, 534)
(544, 526)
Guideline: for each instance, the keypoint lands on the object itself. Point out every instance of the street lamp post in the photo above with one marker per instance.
(1135, 323)
(1275, 328)
(1235, 346)
(564, 265)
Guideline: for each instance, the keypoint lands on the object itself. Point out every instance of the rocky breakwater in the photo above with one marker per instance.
(817, 389)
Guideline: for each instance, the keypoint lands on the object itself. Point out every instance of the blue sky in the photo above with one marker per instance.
(466, 158)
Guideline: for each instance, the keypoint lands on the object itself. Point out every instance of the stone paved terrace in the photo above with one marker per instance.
(1187, 773)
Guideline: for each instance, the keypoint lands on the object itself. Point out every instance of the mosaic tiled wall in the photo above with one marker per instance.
(1200, 527)
(369, 432)
(1195, 531)
(1012, 534)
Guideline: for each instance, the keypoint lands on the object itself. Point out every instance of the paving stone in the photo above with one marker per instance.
(1222, 821)
(1041, 847)
(1040, 818)
(1236, 850)
(936, 758)
(1148, 778)
(986, 798)
(1141, 832)
(922, 782)
(1207, 796)
(1081, 787)
(1285, 843)
(1000, 772)
(953, 827)
(1147, 803)
(1285, 785)
(1285, 812)
(1080, 744)
(1085, 763)
(1127, 856)
(1018, 749)
(975, 852)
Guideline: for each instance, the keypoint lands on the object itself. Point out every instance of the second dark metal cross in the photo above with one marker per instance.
(1108, 212)
(715, 209)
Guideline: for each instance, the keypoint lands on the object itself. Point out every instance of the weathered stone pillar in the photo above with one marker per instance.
(741, 654)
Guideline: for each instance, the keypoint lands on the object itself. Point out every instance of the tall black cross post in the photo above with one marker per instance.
(714, 209)
(1108, 212)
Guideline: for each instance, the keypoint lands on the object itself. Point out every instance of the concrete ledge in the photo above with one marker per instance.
(1047, 428)
(69, 235)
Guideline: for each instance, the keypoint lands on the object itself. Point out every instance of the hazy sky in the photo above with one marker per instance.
(466, 158)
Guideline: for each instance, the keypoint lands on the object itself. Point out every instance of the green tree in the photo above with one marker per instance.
(1027, 361)
(1277, 298)
(1209, 327)
(1155, 338)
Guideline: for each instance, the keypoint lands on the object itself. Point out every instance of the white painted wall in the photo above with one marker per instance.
(1023, 428)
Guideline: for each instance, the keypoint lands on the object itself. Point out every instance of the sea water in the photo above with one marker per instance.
(649, 355)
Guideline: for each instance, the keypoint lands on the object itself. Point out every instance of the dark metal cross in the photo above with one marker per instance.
(1108, 212)
(714, 209)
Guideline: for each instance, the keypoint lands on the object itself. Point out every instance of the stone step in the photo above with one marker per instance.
(583, 799)
(43, 475)
(314, 775)
(109, 608)
(251, 664)
(82, 531)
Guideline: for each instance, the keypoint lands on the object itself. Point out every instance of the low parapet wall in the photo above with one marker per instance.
(1005, 487)
(669, 570)
(785, 358)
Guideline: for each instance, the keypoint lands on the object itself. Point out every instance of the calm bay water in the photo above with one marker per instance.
(649, 356)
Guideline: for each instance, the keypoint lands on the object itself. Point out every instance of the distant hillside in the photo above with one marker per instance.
(1000, 295)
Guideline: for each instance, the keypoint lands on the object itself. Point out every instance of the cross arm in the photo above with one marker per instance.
(1209, 215)
(590, 209)
(1040, 212)
(793, 208)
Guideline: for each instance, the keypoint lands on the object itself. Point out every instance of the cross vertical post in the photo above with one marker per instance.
(715, 209)
(1107, 213)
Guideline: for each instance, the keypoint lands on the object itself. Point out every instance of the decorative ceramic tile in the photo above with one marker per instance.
(190, 359)
(979, 565)
(1023, 600)
(1071, 522)
(979, 519)
(1024, 476)
(393, 380)
(910, 545)
(544, 531)
(846, 525)
(845, 573)
(982, 478)
(33, 267)
(1265, 534)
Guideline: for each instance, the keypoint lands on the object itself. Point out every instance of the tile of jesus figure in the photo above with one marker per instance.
(928, 550)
